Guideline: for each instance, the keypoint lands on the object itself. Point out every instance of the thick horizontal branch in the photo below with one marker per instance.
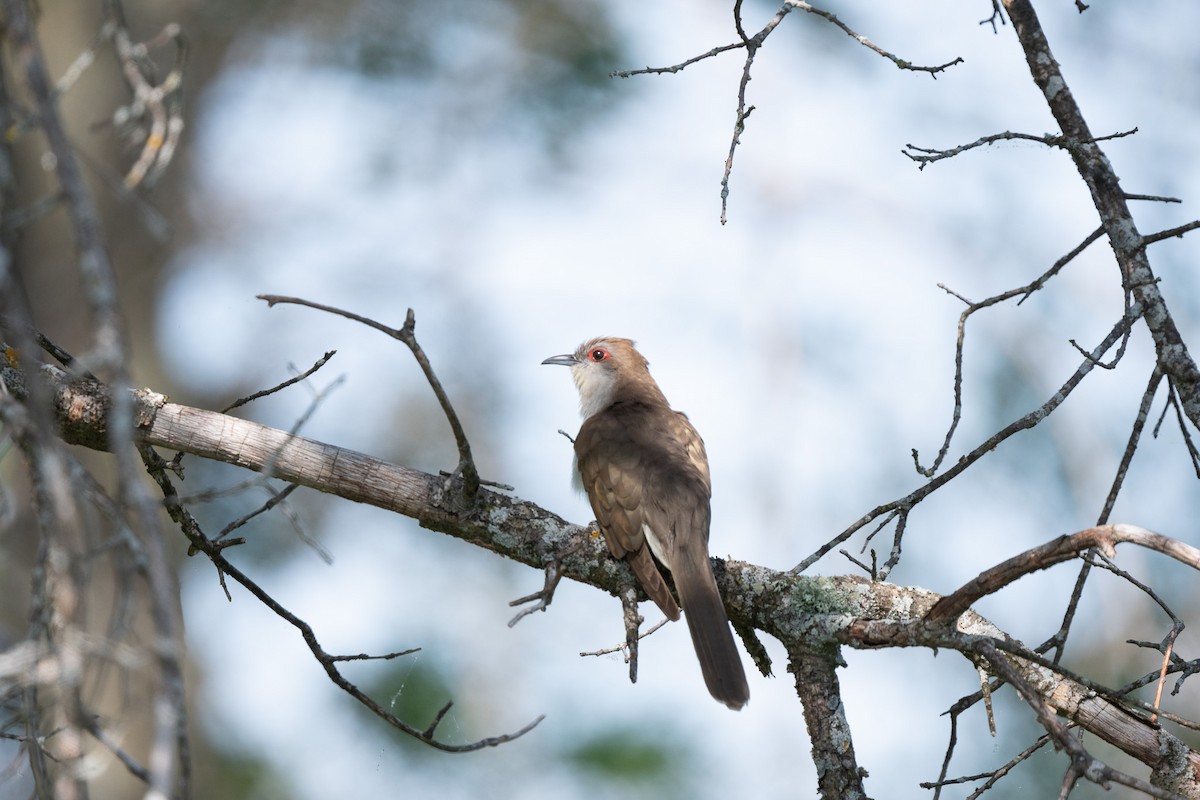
(498, 522)
(803, 612)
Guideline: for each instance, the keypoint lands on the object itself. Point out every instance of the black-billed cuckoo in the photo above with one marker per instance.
(645, 472)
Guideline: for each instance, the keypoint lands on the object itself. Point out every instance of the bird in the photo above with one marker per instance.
(645, 471)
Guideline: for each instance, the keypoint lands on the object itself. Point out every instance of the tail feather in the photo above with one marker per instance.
(720, 661)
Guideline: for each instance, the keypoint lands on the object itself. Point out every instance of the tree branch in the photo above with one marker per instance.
(838, 773)
(810, 615)
(1174, 764)
(1030, 420)
(407, 335)
(1109, 198)
(1065, 548)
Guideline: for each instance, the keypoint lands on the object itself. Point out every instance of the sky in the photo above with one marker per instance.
(807, 339)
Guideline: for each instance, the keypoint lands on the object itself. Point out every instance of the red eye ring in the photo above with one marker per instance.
(598, 354)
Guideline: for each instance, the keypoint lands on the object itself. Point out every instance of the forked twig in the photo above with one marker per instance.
(1033, 418)
(545, 596)
(191, 529)
(466, 464)
(751, 44)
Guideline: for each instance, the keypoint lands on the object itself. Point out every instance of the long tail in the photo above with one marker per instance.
(712, 637)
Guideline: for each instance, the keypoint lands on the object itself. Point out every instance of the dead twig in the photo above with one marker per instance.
(466, 464)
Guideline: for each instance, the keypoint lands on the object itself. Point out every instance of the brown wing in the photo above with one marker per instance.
(646, 474)
(614, 467)
(644, 467)
(693, 447)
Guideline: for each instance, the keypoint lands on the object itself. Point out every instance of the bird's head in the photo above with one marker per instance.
(605, 370)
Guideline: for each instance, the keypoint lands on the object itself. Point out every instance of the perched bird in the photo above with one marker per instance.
(645, 472)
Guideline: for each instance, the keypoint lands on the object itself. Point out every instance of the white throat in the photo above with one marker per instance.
(596, 386)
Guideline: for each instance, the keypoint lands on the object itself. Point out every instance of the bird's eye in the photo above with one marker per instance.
(599, 354)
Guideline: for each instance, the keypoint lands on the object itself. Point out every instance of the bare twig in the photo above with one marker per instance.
(743, 111)
(751, 44)
(1167, 648)
(989, 779)
(1169, 233)
(382, 657)
(960, 343)
(1058, 642)
(466, 465)
(1135, 435)
(1192, 450)
(682, 65)
(737, 22)
(327, 660)
(275, 499)
(1026, 422)
(1092, 706)
(322, 361)
(130, 763)
(1041, 280)
(60, 355)
(870, 569)
(867, 43)
(1153, 198)
(1185, 669)
(924, 156)
(897, 539)
(1177, 625)
(997, 14)
(629, 654)
(544, 597)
